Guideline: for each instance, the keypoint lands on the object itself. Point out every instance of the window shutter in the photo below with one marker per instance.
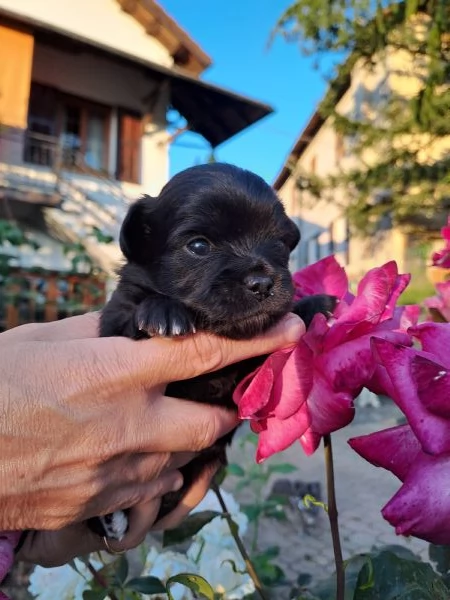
(16, 58)
(129, 147)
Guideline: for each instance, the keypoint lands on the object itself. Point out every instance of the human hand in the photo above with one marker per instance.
(87, 428)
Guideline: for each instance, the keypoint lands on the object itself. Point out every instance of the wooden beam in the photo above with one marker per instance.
(128, 6)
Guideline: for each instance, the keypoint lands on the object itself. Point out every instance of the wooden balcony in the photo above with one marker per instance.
(42, 296)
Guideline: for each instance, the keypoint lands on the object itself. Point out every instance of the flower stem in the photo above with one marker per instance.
(333, 518)
(234, 532)
(100, 580)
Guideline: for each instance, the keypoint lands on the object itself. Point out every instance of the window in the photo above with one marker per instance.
(76, 126)
(313, 249)
(331, 243)
(84, 134)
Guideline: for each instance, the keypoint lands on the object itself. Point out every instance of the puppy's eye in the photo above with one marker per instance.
(199, 246)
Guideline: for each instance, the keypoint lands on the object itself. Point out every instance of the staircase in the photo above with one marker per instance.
(75, 199)
(88, 203)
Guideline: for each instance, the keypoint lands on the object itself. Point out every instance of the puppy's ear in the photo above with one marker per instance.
(136, 231)
(292, 234)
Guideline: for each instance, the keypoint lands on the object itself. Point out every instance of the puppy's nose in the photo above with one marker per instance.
(260, 285)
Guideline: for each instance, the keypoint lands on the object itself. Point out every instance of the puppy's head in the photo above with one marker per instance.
(218, 240)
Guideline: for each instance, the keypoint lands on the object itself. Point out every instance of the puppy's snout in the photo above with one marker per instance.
(260, 285)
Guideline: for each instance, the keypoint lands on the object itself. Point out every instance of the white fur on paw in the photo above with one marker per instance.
(115, 525)
(176, 328)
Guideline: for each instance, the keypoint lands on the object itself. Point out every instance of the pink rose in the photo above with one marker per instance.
(305, 392)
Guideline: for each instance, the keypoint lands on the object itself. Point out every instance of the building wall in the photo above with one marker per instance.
(103, 80)
(100, 21)
(324, 231)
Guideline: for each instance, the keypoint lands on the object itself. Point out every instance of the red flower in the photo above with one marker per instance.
(307, 391)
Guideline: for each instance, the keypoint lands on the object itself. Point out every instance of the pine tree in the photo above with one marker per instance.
(413, 184)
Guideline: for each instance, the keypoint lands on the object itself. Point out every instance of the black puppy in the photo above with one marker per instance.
(210, 253)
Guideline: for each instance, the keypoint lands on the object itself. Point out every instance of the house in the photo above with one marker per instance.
(321, 151)
(85, 88)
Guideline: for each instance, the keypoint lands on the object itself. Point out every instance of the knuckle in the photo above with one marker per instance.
(149, 467)
(206, 434)
(209, 353)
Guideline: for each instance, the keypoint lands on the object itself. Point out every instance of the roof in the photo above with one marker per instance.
(157, 23)
(212, 111)
(312, 127)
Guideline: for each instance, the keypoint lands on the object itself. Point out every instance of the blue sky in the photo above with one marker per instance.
(235, 34)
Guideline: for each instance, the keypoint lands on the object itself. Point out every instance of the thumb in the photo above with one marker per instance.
(162, 360)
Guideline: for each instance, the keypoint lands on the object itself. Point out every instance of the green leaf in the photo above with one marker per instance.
(269, 553)
(398, 550)
(95, 594)
(121, 569)
(282, 468)
(395, 578)
(326, 589)
(189, 527)
(195, 583)
(252, 511)
(146, 585)
(219, 477)
(233, 527)
(441, 556)
(235, 470)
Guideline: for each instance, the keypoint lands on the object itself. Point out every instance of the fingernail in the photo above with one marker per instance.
(293, 327)
(178, 483)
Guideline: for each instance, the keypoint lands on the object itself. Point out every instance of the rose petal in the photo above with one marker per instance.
(432, 430)
(323, 277)
(350, 366)
(378, 293)
(434, 337)
(394, 449)
(433, 385)
(293, 383)
(329, 410)
(310, 441)
(445, 231)
(254, 392)
(441, 258)
(422, 505)
(276, 435)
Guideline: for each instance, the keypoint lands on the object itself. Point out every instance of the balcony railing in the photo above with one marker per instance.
(42, 296)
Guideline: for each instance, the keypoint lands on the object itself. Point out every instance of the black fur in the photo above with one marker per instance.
(234, 283)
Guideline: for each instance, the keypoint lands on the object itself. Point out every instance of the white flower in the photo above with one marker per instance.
(166, 564)
(215, 552)
(217, 531)
(218, 566)
(63, 582)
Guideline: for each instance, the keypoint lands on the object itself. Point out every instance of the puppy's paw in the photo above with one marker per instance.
(306, 308)
(163, 317)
